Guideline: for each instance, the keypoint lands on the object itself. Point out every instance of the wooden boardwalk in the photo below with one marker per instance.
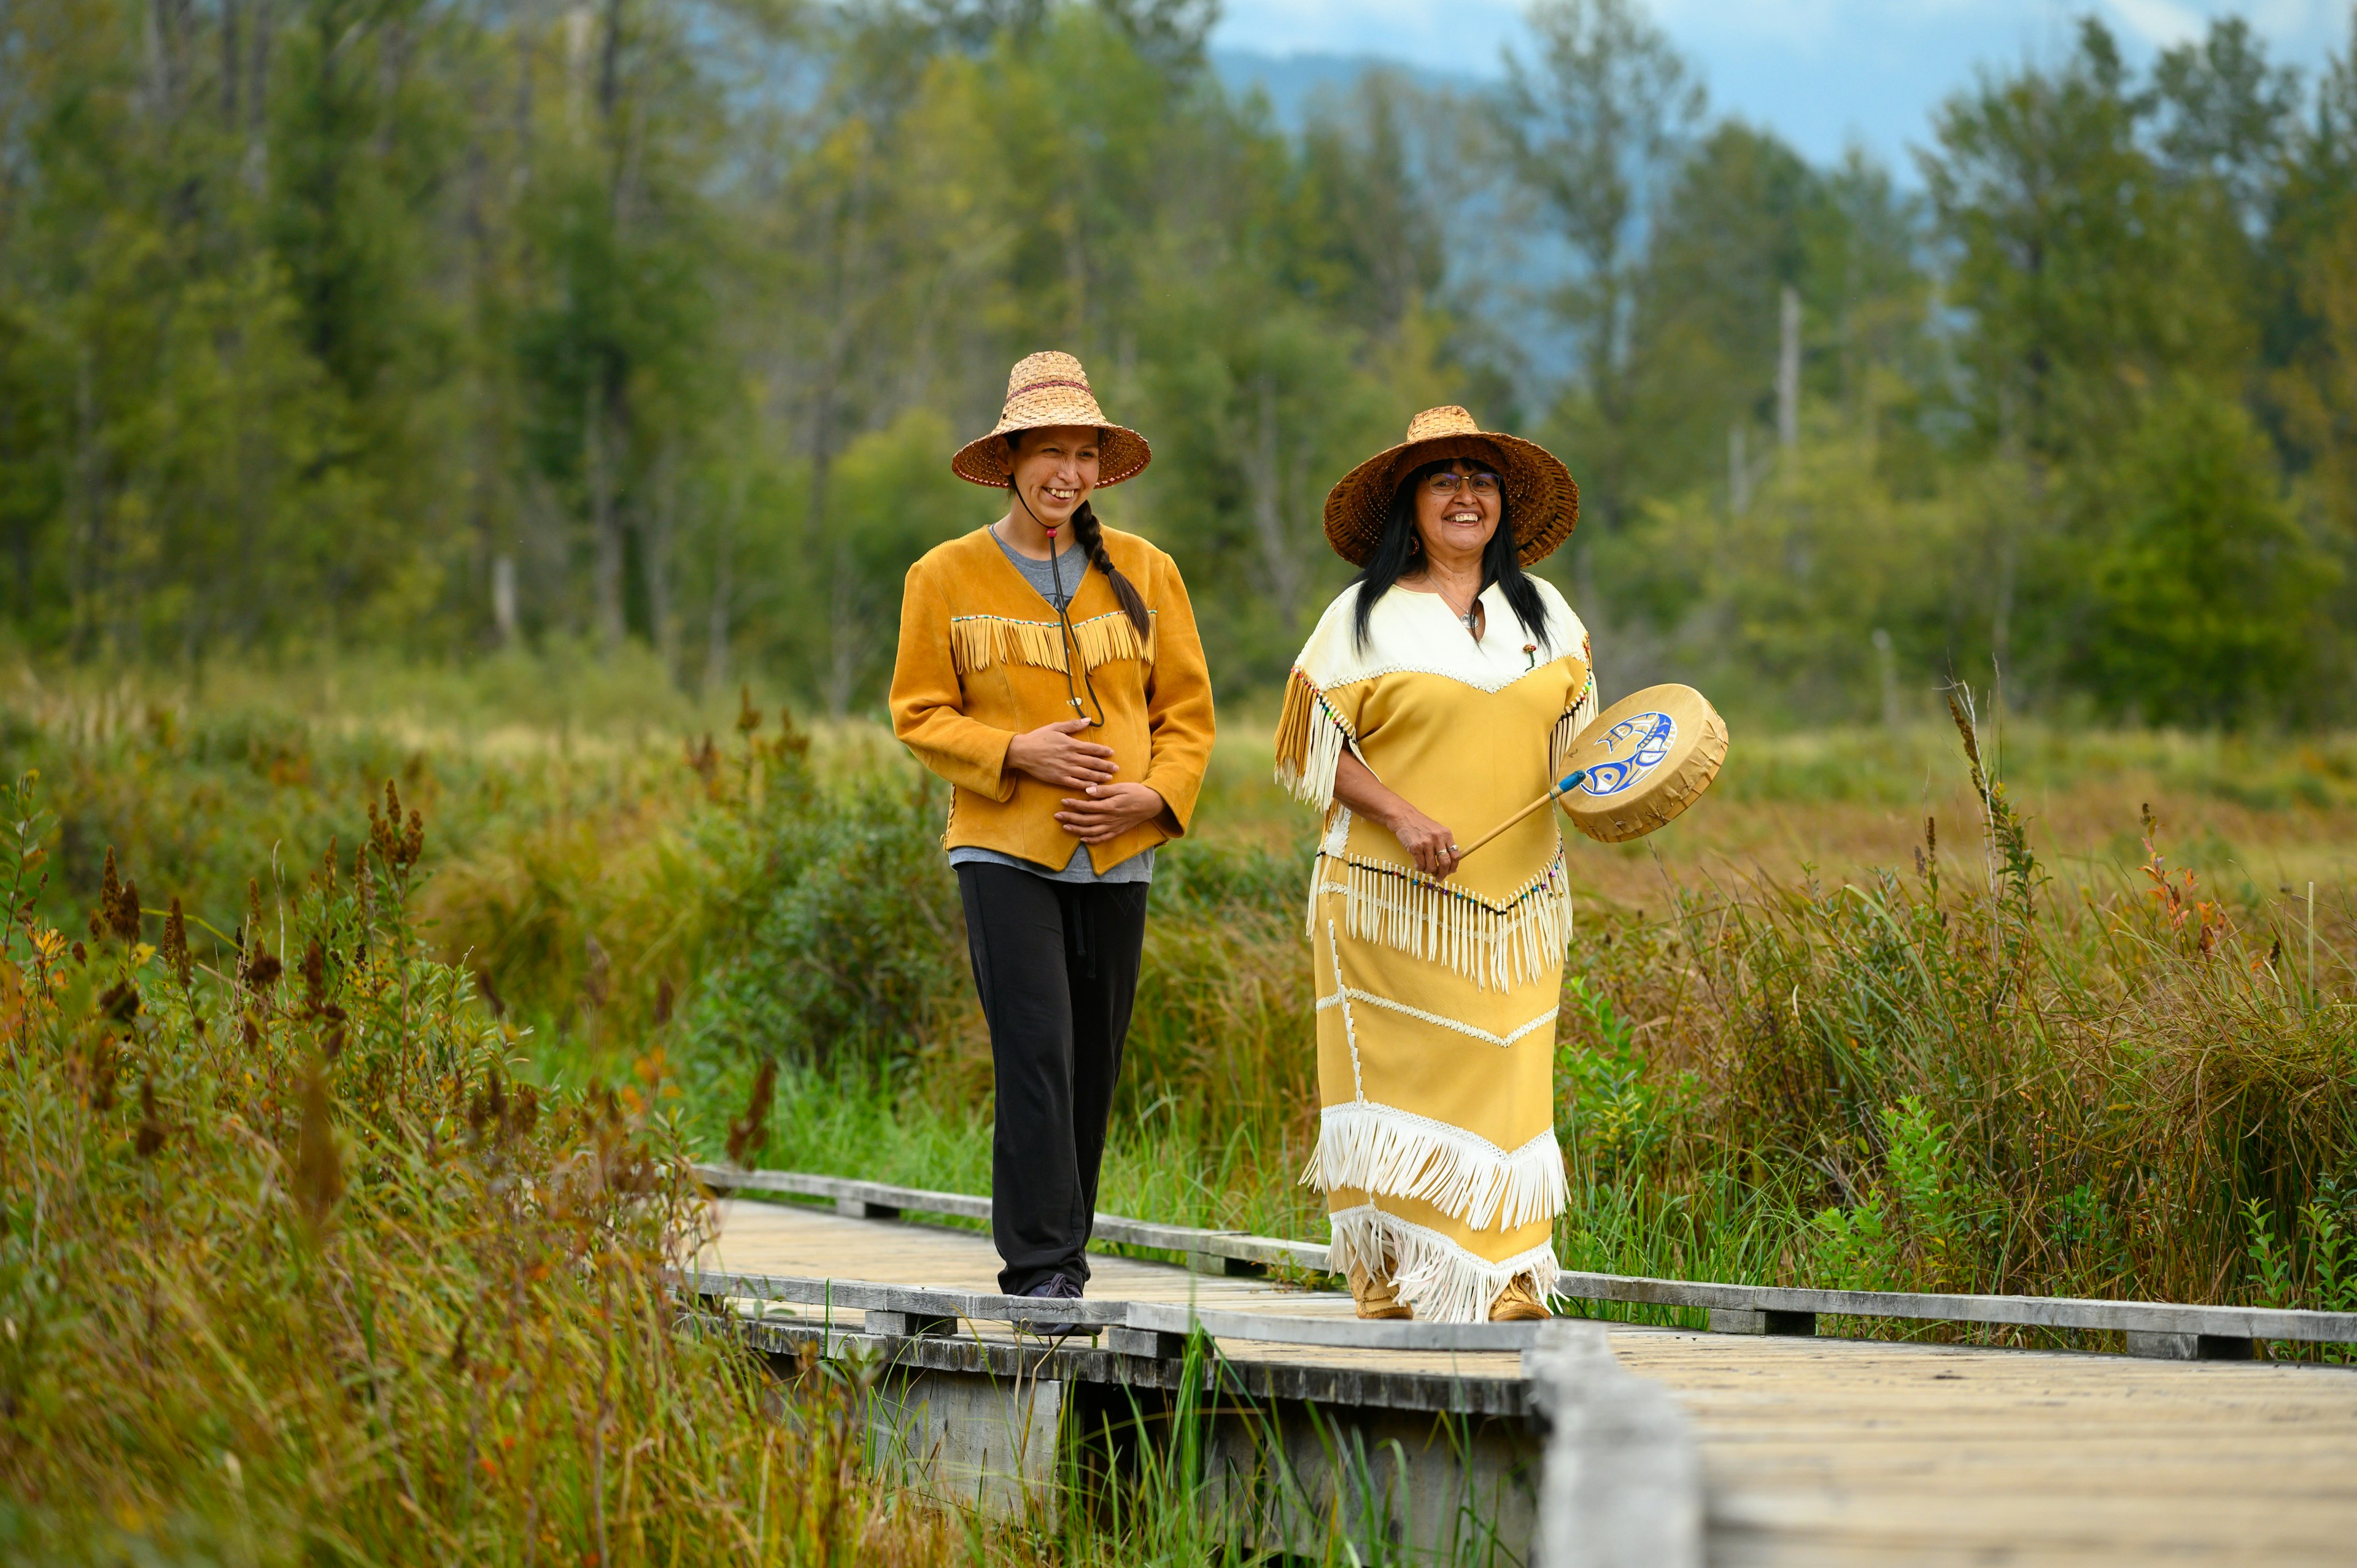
(1816, 1451)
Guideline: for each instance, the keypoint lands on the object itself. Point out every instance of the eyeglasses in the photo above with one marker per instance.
(1449, 484)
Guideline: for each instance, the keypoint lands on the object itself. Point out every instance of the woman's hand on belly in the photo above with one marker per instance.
(1055, 754)
(1429, 844)
(1108, 810)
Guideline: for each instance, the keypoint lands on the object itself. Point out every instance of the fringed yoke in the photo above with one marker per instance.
(1468, 732)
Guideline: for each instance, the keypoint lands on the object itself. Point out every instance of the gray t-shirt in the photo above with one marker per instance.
(1069, 566)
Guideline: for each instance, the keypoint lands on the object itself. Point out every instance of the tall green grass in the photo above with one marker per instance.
(1963, 1075)
(293, 1270)
(1978, 1071)
(296, 1268)
(309, 1251)
(1977, 1077)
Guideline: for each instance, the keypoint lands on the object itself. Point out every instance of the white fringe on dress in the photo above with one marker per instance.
(1438, 1278)
(1310, 740)
(1366, 1147)
(1496, 946)
(1576, 719)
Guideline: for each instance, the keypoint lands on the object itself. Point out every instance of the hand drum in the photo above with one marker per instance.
(1648, 757)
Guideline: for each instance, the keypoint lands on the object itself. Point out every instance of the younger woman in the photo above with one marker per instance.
(1051, 671)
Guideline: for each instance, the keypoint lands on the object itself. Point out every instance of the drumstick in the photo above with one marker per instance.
(1563, 786)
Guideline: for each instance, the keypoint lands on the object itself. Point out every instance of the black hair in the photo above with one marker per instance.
(1090, 534)
(1400, 545)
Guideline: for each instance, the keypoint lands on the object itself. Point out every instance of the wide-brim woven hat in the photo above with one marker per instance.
(1542, 501)
(1043, 390)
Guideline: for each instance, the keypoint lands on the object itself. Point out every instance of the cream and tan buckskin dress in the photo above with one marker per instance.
(1437, 1000)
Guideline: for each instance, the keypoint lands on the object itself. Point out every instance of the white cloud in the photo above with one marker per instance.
(2160, 23)
(1407, 28)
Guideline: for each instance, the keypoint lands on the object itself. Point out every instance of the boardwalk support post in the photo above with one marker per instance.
(1622, 1481)
(1218, 1264)
(2192, 1347)
(1147, 1342)
(1754, 1320)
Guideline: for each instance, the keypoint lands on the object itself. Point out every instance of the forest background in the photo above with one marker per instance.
(436, 328)
(486, 396)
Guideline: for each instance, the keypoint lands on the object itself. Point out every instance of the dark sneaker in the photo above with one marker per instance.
(1055, 1287)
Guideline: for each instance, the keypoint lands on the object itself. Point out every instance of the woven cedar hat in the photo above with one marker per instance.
(1042, 390)
(1541, 502)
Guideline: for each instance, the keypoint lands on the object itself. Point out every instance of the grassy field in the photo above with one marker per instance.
(1770, 1001)
(269, 1294)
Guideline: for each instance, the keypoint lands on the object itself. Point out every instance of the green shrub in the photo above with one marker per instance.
(292, 1269)
(841, 930)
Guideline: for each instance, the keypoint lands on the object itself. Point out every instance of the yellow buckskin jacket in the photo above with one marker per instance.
(982, 659)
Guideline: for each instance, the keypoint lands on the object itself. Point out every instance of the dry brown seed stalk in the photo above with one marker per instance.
(594, 979)
(318, 1164)
(176, 945)
(151, 1133)
(110, 890)
(749, 1134)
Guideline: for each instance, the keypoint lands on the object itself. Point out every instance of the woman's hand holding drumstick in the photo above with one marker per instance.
(1561, 787)
(1429, 843)
(1434, 849)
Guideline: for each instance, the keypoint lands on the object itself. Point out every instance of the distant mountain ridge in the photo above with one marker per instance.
(1292, 80)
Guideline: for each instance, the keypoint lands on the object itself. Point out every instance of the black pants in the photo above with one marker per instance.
(1056, 963)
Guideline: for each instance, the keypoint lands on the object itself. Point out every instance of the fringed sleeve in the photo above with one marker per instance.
(1178, 693)
(1576, 719)
(928, 698)
(1311, 738)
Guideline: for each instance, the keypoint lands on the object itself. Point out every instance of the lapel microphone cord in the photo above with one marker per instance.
(1061, 604)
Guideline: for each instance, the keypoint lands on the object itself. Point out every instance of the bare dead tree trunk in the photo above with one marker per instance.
(850, 290)
(1788, 370)
(85, 470)
(256, 171)
(656, 538)
(715, 618)
(845, 630)
(231, 20)
(1279, 560)
(503, 598)
(605, 529)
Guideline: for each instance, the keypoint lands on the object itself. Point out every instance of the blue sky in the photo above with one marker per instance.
(1820, 73)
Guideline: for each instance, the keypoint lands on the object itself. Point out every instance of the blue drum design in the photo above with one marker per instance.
(1632, 748)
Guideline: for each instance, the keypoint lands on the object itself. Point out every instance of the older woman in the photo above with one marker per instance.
(1437, 697)
(1050, 669)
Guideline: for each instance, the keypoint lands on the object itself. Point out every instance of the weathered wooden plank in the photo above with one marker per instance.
(1147, 1316)
(1814, 1451)
(1768, 1302)
(1623, 1481)
(2015, 1311)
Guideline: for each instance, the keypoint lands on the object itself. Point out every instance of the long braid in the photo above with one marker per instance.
(1090, 533)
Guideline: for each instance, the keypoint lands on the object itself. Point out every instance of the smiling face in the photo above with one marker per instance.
(1457, 510)
(1054, 470)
